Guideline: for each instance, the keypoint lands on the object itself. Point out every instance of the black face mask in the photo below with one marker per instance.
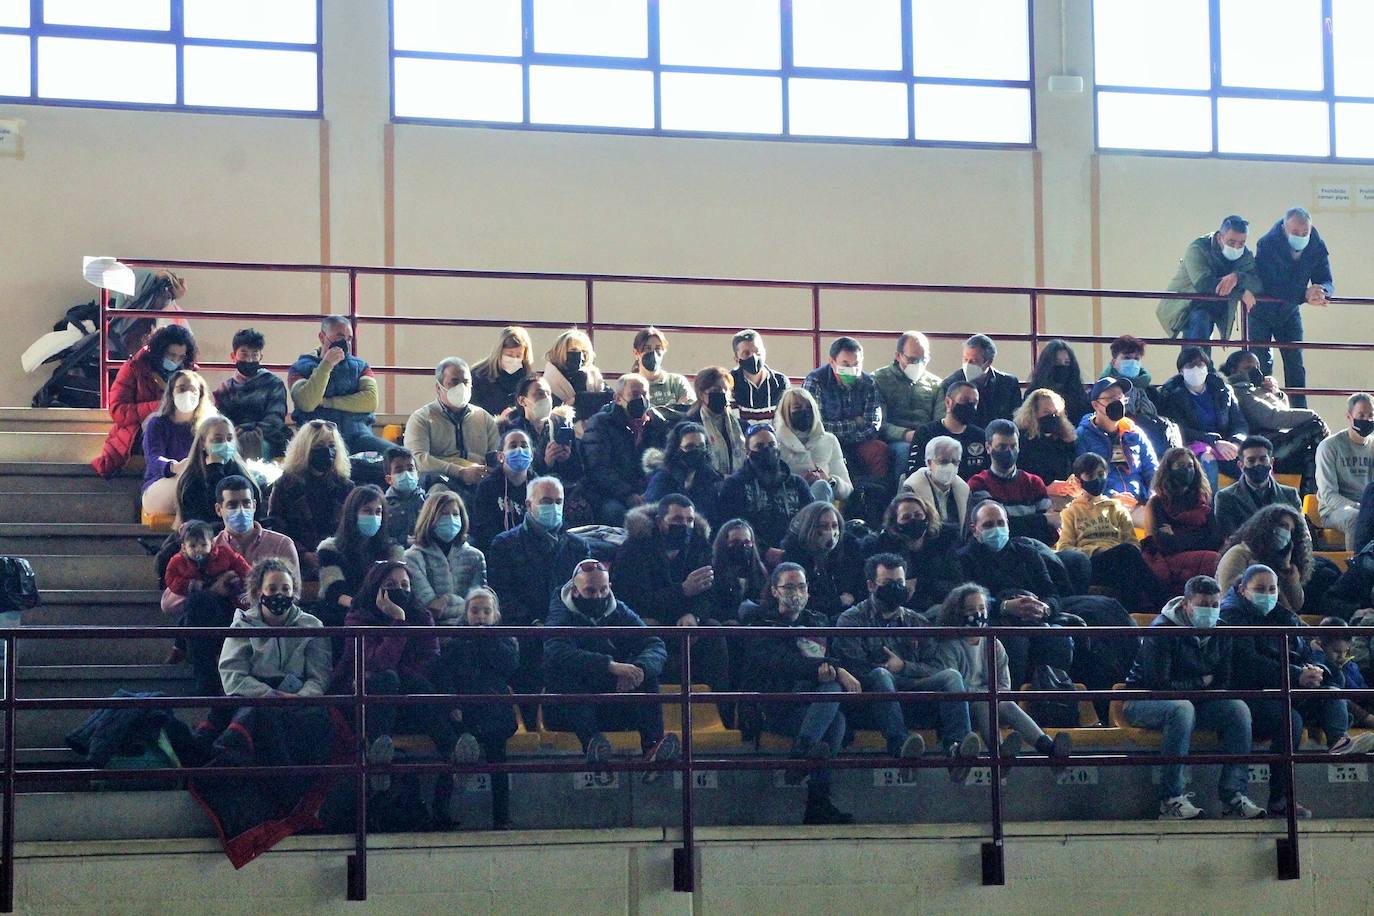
(693, 459)
(1049, 426)
(766, 461)
(1094, 487)
(339, 345)
(399, 597)
(574, 360)
(751, 364)
(913, 528)
(1182, 476)
(201, 560)
(1256, 377)
(803, 420)
(740, 554)
(637, 407)
(650, 361)
(677, 536)
(716, 401)
(1257, 474)
(1062, 375)
(1115, 411)
(246, 369)
(278, 604)
(591, 607)
(1003, 459)
(322, 458)
(965, 413)
(1362, 427)
(890, 594)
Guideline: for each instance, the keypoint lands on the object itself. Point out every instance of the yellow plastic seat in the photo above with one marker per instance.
(522, 742)
(1326, 538)
(393, 433)
(1088, 733)
(1311, 620)
(156, 521)
(1143, 619)
(1340, 557)
(1290, 480)
(566, 742)
(708, 731)
(1148, 738)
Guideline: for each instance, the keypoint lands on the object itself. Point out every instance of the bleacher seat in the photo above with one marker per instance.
(1310, 619)
(1089, 732)
(1326, 539)
(1143, 618)
(522, 742)
(157, 522)
(708, 730)
(393, 433)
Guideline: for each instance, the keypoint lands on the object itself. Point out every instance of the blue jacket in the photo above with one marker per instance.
(343, 380)
(1140, 458)
(1257, 663)
(575, 660)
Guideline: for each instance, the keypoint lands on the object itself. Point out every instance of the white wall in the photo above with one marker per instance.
(354, 189)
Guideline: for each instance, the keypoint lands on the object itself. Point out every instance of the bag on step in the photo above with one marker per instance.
(1052, 713)
(18, 585)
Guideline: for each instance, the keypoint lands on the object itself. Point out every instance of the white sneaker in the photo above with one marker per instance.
(1242, 807)
(1179, 808)
(1362, 743)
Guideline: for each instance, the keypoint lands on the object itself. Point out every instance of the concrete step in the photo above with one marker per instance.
(66, 816)
(91, 608)
(52, 446)
(94, 572)
(49, 728)
(98, 652)
(29, 538)
(52, 416)
(51, 477)
(83, 508)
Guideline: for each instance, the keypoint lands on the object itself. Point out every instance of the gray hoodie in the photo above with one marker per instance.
(248, 662)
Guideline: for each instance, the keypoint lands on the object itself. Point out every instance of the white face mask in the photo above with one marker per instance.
(459, 395)
(542, 408)
(1231, 254)
(973, 372)
(186, 401)
(1298, 242)
(512, 364)
(1195, 376)
(915, 370)
(943, 474)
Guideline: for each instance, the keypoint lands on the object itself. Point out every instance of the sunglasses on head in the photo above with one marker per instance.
(590, 566)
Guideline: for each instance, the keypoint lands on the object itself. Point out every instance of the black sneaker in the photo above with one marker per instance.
(821, 811)
(666, 750)
(1278, 807)
(1063, 747)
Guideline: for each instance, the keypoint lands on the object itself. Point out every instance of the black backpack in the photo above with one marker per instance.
(18, 585)
(1052, 713)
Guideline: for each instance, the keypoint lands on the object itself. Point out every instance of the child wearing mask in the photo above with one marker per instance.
(201, 563)
(1333, 653)
(1100, 527)
(404, 496)
(254, 399)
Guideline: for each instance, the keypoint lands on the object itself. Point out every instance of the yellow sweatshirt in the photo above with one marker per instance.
(1093, 523)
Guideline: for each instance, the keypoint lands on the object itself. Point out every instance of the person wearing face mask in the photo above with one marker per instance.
(957, 423)
(938, 481)
(1256, 488)
(1295, 432)
(398, 665)
(813, 454)
(307, 500)
(739, 575)
(1254, 601)
(443, 565)
(1127, 362)
(168, 436)
(557, 450)
(1192, 663)
(571, 372)
(1108, 433)
(1277, 537)
(713, 411)
(614, 443)
(687, 470)
(1295, 267)
(332, 384)
(213, 456)
(832, 557)
(801, 664)
(345, 557)
(499, 503)
(1099, 526)
(883, 664)
(1047, 439)
(1206, 409)
(496, 379)
(263, 666)
(666, 389)
(1216, 264)
(1345, 468)
(1332, 652)
(450, 436)
(663, 570)
(911, 529)
(404, 495)
(1022, 494)
(758, 389)
(138, 390)
(849, 406)
(254, 399)
(621, 661)
(1057, 370)
(1182, 534)
(236, 506)
(909, 393)
(764, 492)
(999, 393)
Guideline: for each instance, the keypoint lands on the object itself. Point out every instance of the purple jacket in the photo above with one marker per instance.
(164, 441)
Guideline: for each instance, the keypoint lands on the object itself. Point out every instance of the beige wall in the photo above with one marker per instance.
(355, 189)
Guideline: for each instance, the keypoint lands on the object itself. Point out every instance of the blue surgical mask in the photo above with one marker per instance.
(1298, 242)
(222, 450)
(518, 459)
(405, 482)
(448, 527)
(1130, 368)
(1282, 537)
(1265, 603)
(239, 521)
(1206, 616)
(549, 516)
(170, 365)
(994, 538)
(368, 525)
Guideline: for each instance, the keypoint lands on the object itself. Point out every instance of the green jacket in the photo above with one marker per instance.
(907, 404)
(1199, 271)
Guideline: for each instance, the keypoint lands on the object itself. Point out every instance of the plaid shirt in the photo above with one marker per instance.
(849, 411)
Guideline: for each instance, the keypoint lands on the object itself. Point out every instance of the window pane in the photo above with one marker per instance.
(728, 104)
(1354, 130)
(1274, 128)
(110, 14)
(1163, 122)
(1271, 44)
(857, 34)
(971, 39)
(14, 65)
(848, 108)
(720, 33)
(459, 89)
(458, 26)
(1352, 24)
(251, 78)
(107, 71)
(594, 98)
(14, 13)
(607, 28)
(973, 114)
(252, 20)
(1128, 36)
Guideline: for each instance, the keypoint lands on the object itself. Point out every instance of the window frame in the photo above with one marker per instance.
(175, 36)
(785, 72)
(1327, 95)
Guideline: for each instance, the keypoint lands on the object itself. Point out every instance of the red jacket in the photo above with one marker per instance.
(134, 396)
(181, 572)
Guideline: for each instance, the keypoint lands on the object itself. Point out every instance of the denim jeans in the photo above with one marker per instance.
(809, 723)
(1177, 719)
(1330, 715)
(901, 453)
(885, 717)
(951, 719)
(1200, 321)
(1283, 323)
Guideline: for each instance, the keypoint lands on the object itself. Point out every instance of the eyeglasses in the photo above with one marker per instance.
(791, 588)
(591, 565)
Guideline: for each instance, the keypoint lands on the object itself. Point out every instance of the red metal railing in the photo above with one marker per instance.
(684, 857)
(1034, 295)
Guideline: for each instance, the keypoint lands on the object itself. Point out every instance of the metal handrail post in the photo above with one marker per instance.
(104, 349)
(994, 862)
(357, 863)
(353, 308)
(591, 312)
(7, 838)
(816, 324)
(1288, 860)
(684, 859)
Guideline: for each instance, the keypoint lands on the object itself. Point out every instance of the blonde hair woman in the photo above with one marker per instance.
(570, 367)
(214, 456)
(167, 438)
(443, 566)
(665, 388)
(812, 453)
(496, 378)
(308, 499)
